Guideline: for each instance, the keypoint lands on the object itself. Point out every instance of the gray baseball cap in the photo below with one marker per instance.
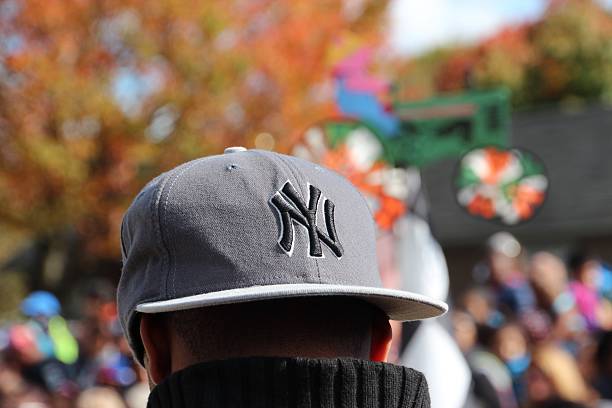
(251, 225)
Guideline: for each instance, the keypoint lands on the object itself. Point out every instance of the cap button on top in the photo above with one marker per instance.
(234, 149)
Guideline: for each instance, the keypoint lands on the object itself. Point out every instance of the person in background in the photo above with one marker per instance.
(555, 325)
(53, 335)
(586, 288)
(479, 303)
(492, 384)
(105, 357)
(605, 281)
(549, 278)
(512, 290)
(44, 345)
(511, 345)
(554, 380)
(16, 391)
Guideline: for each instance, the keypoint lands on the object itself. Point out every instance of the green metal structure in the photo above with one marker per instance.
(449, 126)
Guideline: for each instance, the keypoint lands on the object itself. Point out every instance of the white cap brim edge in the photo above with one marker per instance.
(397, 304)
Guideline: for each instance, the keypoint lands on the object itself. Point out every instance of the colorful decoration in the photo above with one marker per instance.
(352, 149)
(418, 133)
(361, 95)
(380, 147)
(499, 184)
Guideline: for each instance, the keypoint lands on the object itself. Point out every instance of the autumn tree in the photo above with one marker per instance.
(97, 97)
(564, 57)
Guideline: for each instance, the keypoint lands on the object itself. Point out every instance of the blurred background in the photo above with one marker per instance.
(477, 130)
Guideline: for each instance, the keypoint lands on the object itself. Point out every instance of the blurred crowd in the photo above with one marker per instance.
(535, 329)
(47, 361)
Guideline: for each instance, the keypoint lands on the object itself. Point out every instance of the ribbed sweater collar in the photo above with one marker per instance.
(292, 383)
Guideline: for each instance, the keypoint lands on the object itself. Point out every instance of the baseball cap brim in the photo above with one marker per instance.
(397, 304)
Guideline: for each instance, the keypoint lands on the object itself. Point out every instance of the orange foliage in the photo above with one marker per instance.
(98, 97)
(454, 75)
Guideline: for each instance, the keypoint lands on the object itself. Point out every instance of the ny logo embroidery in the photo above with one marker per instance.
(292, 209)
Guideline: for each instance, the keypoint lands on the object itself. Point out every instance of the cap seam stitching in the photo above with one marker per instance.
(160, 238)
(172, 266)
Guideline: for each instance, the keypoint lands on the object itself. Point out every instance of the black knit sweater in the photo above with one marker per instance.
(292, 382)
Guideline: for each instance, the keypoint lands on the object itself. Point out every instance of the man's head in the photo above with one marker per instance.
(322, 327)
(272, 254)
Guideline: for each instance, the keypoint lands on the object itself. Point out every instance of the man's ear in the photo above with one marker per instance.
(380, 342)
(156, 340)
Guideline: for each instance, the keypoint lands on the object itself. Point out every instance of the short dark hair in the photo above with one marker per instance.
(295, 327)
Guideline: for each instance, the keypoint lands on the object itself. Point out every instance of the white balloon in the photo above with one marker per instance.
(420, 259)
(433, 352)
